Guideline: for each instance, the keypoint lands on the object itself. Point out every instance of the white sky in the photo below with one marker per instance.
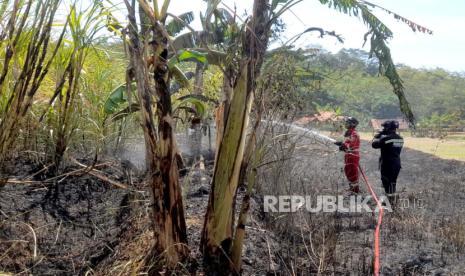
(445, 48)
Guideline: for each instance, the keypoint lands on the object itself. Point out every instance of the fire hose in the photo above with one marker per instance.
(376, 263)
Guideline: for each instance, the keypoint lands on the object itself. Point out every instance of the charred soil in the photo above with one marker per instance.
(78, 223)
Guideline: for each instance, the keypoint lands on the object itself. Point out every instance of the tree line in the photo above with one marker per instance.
(348, 82)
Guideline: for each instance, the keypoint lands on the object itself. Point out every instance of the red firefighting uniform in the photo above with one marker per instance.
(351, 147)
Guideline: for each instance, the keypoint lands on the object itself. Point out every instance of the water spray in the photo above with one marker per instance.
(309, 133)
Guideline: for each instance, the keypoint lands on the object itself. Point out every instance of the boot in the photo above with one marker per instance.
(354, 188)
(392, 199)
(392, 195)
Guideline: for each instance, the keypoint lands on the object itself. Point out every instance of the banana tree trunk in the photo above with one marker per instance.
(246, 175)
(169, 209)
(170, 237)
(217, 235)
(239, 235)
(218, 227)
(221, 111)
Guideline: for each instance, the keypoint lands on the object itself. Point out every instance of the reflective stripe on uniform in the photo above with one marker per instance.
(395, 142)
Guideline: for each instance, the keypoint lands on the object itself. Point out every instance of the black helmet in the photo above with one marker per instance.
(350, 122)
(390, 125)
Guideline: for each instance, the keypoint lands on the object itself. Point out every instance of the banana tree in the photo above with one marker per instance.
(187, 50)
(118, 104)
(117, 99)
(217, 236)
(151, 43)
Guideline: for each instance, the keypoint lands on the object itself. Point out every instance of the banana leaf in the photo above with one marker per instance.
(117, 97)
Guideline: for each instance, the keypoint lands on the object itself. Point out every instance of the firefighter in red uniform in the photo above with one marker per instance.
(351, 147)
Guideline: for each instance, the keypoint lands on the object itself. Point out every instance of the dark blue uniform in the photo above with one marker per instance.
(390, 144)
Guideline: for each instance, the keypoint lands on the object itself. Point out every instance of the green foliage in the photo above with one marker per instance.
(213, 81)
(177, 25)
(290, 87)
(275, 3)
(188, 56)
(304, 82)
(199, 102)
(117, 97)
(437, 121)
(351, 84)
(84, 25)
(182, 80)
(378, 34)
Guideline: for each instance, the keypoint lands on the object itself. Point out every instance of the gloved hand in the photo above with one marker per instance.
(379, 134)
(342, 147)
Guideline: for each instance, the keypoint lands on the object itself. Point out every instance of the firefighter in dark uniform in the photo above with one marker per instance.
(390, 143)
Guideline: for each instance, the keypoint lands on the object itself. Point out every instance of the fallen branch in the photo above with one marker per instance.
(38, 172)
(27, 181)
(99, 175)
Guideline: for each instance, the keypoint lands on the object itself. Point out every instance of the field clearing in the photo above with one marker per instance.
(451, 147)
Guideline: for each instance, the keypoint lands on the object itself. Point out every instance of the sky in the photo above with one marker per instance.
(444, 49)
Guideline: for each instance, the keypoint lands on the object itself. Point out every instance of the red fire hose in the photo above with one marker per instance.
(376, 264)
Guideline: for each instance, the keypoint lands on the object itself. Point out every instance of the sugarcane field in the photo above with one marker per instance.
(232, 137)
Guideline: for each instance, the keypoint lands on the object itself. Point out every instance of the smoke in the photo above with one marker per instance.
(134, 149)
(189, 144)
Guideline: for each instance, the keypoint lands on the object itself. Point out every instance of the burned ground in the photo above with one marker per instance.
(76, 221)
(82, 224)
(425, 235)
